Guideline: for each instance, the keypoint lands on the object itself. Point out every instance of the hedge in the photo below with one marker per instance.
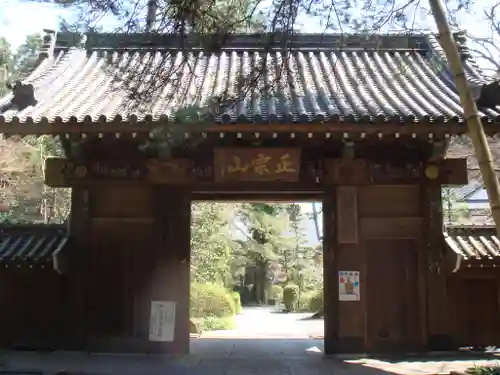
(290, 297)
(213, 307)
(210, 300)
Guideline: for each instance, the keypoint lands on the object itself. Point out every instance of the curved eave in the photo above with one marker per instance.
(470, 250)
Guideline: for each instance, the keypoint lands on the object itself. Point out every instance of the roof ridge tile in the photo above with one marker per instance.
(47, 49)
(262, 40)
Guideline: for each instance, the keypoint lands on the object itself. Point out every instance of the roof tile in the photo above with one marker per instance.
(30, 246)
(473, 244)
(386, 81)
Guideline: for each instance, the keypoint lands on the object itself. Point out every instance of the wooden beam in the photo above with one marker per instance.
(62, 172)
(141, 127)
(447, 172)
(346, 172)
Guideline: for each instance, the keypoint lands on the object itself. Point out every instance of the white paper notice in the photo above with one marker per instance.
(349, 286)
(162, 321)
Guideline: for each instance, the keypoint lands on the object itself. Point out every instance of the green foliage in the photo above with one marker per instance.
(237, 301)
(224, 253)
(18, 63)
(209, 300)
(214, 323)
(315, 301)
(483, 370)
(303, 302)
(25, 194)
(211, 245)
(311, 301)
(275, 292)
(290, 296)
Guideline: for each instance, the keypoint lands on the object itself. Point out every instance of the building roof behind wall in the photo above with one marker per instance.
(473, 243)
(31, 246)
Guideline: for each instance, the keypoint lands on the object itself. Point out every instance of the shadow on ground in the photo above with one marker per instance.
(232, 356)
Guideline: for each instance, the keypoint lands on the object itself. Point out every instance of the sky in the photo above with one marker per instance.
(21, 18)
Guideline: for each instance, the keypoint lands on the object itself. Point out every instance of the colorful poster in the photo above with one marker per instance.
(162, 321)
(349, 286)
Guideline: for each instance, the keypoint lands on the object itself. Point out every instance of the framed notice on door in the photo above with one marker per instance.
(162, 321)
(349, 286)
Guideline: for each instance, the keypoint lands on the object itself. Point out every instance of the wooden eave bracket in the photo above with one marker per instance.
(59, 258)
(452, 259)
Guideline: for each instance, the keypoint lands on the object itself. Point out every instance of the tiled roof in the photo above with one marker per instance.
(33, 246)
(460, 146)
(474, 244)
(331, 78)
(462, 192)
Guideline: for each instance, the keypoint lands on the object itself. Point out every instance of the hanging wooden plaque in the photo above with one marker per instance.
(257, 164)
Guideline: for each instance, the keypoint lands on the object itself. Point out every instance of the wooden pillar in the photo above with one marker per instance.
(437, 301)
(79, 227)
(170, 276)
(330, 270)
(344, 321)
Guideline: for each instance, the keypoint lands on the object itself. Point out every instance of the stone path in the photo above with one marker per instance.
(266, 321)
(262, 343)
(228, 357)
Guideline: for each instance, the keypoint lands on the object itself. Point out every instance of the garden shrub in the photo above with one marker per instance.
(483, 370)
(214, 323)
(315, 302)
(311, 301)
(210, 300)
(275, 292)
(303, 302)
(237, 301)
(290, 296)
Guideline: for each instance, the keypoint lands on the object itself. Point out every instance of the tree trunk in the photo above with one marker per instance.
(315, 220)
(261, 282)
(474, 125)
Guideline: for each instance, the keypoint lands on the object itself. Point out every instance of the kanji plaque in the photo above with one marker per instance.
(257, 164)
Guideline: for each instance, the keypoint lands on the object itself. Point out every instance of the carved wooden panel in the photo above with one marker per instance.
(388, 173)
(389, 201)
(175, 171)
(346, 172)
(257, 164)
(347, 214)
(121, 201)
(62, 172)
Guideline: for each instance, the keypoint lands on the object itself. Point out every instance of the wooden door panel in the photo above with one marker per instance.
(478, 311)
(392, 293)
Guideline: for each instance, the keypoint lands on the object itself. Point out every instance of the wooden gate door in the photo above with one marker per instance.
(478, 311)
(392, 311)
